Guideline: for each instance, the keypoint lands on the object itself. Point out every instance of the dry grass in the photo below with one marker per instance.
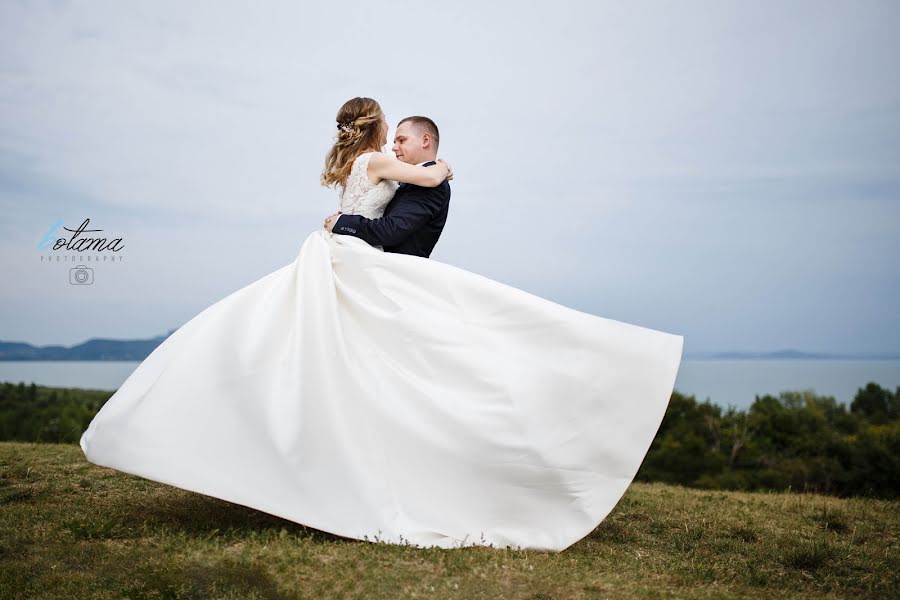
(69, 529)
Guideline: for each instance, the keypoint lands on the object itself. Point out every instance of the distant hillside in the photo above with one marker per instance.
(107, 349)
(92, 349)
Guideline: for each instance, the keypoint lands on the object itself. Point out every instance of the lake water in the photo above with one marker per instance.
(724, 382)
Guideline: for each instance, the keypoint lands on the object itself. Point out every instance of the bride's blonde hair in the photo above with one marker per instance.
(360, 123)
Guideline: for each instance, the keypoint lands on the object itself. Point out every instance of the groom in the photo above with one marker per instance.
(414, 218)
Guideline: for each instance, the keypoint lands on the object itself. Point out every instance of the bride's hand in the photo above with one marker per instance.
(449, 169)
(331, 220)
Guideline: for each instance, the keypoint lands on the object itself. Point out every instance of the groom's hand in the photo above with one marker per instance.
(331, 220)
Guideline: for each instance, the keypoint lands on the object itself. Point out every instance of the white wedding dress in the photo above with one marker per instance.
(389, 397)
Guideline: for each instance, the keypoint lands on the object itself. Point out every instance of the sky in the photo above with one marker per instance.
(725, 171)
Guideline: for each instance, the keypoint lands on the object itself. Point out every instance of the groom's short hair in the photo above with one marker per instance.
(424, 125)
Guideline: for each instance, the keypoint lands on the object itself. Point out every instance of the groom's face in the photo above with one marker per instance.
(408, 144)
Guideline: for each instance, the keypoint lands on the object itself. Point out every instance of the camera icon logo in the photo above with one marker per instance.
(81, 275)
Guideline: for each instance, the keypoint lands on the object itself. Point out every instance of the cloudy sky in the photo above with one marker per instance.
(726, 171)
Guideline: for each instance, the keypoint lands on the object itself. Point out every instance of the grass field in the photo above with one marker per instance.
(69, 529)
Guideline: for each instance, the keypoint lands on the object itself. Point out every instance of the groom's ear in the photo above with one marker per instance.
(426, 140)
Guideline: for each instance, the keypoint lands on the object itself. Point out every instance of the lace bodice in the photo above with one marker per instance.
(360, 196)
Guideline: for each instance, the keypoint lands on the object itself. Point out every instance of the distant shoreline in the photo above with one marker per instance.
(99, 349)
(890, 357)
(792, 355)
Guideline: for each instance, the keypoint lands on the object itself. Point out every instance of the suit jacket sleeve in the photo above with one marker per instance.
(418, 206)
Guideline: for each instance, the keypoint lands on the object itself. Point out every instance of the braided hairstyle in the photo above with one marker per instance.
(360, 125)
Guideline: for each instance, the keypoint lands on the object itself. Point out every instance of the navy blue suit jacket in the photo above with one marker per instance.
(411, 224)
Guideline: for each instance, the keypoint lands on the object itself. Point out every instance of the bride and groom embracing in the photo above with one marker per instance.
(373, 393)
(414, 212)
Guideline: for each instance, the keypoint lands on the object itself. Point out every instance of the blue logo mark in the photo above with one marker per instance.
(50, 237)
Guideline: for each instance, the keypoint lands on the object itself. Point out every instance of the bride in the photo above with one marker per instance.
(384, 396)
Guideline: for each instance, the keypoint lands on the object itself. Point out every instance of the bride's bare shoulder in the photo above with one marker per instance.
(376, 157)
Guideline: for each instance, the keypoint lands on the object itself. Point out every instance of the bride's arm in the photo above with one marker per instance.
(384, 166)
(419, 206)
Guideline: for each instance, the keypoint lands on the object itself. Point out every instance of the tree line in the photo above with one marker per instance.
(797, 441)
